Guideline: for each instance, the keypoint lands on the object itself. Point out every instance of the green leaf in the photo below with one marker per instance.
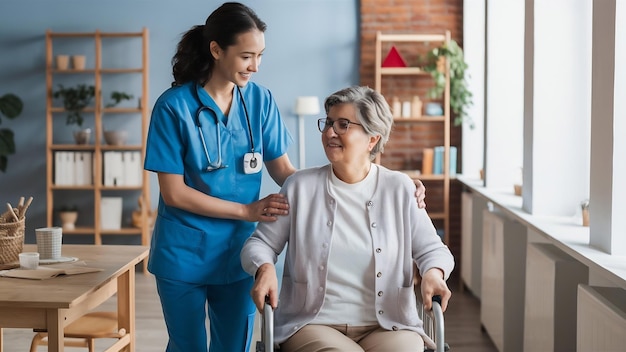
(11, 105)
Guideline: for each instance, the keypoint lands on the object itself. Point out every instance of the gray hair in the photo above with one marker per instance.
(372, 112)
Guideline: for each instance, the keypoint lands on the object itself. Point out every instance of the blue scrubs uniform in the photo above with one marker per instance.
(195, 258)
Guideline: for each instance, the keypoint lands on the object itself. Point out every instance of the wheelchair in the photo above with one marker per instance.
(433, 326)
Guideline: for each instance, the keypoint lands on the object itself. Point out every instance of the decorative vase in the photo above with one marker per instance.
(434, 109)
(68, 220)
(82, 136)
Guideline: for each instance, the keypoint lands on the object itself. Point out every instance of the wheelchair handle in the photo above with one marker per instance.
(439, 329)
(437, 298)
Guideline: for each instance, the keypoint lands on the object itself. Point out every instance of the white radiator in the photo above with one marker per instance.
(552, 279)
(503, 281)
(601, 319)
(471, 240)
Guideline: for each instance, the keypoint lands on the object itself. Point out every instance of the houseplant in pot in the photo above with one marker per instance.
(75, 100)
(116, 137)
(460, 96)
(10, 107)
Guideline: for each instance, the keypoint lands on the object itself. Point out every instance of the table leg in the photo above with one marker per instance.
(54, 322)
(1, 344)
(126, 306)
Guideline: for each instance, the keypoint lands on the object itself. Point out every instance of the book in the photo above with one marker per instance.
(452, 161)
(42, 272)
(427, 161)
(438, 160)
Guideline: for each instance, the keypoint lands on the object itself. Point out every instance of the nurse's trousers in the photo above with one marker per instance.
(229, 307)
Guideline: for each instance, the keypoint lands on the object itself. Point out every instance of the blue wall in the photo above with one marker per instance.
(312, 48)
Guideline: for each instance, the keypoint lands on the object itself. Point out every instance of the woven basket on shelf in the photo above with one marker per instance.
(11, 240)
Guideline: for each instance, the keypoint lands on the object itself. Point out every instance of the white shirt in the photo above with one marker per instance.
(350, 281)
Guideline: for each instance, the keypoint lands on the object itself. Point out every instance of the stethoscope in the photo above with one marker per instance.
(251, 162)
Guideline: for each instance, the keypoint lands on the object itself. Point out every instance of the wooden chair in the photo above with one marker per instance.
(84, 331)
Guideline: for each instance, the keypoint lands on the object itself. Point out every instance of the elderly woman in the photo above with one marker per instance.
(354, 232)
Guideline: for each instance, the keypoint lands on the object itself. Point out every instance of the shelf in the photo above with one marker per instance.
(104, 79)
(72, 71)
(412, 37)
(128, 147)
(70, 147)
(90, 231)
(120, 188)
(403, 71)
(121, 110)
(420, 119)
(402, 92)
(437, 216)
(94, 34)
(73, 188)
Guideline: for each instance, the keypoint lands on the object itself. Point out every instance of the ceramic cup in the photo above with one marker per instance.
(49, 241)
(29, 260)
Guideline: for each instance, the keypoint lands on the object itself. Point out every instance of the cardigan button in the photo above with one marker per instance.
(370, 203)
(380, 293)
(394, 328)
(378, 250)
(380, 312)
(379, 274)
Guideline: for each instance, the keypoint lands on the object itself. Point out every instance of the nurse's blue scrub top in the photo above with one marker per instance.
(190, 247)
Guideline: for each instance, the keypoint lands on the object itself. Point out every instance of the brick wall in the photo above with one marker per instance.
(414, 16)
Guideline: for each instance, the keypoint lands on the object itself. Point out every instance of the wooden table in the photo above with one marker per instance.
(54, 303)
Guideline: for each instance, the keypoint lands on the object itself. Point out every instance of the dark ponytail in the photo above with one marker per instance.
(193, 60)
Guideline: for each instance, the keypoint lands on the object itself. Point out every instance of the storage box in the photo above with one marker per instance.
(111, 213)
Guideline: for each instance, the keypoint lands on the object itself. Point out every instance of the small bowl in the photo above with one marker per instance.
(115, 137)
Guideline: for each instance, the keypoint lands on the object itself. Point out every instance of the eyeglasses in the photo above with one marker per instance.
(340, 126)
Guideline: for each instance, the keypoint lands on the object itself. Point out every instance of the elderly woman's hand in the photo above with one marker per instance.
(265, 285)
(434, 284)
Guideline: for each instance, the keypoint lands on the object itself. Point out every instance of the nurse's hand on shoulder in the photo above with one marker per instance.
(268, 208)
(420, 194)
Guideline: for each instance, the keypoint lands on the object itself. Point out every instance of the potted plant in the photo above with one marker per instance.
(460, 96)
(116, 137)
(75, 100)
(118, 97)
(68, 215)
(11, 107)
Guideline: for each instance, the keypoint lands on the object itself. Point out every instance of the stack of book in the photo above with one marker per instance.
(432, 161)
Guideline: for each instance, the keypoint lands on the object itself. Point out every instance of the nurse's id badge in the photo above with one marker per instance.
(252, 163)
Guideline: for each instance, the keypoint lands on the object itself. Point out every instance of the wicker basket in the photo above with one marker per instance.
(11, 240)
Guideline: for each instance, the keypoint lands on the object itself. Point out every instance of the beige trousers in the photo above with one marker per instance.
(344, 338)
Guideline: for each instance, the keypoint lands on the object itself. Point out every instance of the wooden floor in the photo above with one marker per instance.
(463, 331)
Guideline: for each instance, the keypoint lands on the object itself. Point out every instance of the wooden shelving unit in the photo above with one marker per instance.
(98, 76)
(389, 73)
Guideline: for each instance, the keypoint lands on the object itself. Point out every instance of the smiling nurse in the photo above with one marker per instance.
(209, 137)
